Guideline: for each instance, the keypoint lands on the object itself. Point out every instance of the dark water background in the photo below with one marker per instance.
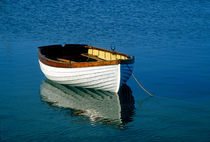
(171, 44)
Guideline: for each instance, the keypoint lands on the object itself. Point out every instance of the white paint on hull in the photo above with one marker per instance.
(108, 78)
(100, 77)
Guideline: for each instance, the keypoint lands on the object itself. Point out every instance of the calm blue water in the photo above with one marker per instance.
(171, 44)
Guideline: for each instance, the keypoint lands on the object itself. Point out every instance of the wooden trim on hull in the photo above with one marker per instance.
(73, 64)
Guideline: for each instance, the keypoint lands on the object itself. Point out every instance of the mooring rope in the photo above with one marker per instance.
(141, 85)
(139, 82)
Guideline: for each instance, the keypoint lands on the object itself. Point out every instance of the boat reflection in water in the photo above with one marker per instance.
(99, 107)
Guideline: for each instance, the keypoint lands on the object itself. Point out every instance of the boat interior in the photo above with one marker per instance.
(79, 53)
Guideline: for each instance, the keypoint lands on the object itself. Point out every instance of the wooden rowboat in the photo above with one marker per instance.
(85, 66)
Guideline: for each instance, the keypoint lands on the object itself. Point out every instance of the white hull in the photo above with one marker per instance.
(107, 78)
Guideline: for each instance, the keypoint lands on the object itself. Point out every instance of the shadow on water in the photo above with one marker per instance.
(91, 106)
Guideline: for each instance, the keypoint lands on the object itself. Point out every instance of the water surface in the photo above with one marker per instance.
(170, 42)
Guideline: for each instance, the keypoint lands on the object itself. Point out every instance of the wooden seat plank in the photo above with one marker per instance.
(92, 56)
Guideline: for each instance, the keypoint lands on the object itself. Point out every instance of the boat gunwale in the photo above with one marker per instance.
(72, 64)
